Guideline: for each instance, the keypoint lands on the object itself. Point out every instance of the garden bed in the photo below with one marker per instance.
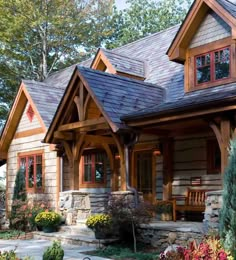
(121, 252)
(15, 234)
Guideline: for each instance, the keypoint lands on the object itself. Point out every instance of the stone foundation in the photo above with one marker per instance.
(127, 196)
(162, 234)
(214, 202)
(76, 206)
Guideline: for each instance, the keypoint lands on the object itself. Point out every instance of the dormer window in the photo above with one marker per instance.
(212, 66)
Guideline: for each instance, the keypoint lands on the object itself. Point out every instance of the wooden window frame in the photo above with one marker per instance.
(212, 66)
(189, 66)
(33, 154)
(93, 183)
(212, 145)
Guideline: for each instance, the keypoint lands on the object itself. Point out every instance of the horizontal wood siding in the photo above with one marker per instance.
(31, 144)
(25, 123)
(213, 28)
(190, 160)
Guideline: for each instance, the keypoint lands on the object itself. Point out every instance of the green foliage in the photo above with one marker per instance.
(19, 187)
(19, 198)
(144, 17)
(39, 37)
(54, 252)
(122, 252)
(228, 211)
(8, 234)
(48, 218)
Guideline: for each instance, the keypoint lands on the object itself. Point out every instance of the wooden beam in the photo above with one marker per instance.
(63, 135)
(99, 139)
(169, 118)
(78, 125)
(77, 146)
(68, 152)
(217, 133)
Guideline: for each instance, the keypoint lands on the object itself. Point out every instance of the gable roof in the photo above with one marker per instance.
(114, 95)
(225, 9)
(45, 97)
(120, 63)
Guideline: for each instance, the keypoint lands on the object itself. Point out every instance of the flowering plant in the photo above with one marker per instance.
(99, 221)
(209, 248)
(48, 218)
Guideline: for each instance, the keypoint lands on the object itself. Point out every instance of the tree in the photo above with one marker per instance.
(144, 17)
(38, 37)
(228, 211)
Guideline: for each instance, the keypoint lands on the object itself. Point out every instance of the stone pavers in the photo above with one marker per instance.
(35, 249)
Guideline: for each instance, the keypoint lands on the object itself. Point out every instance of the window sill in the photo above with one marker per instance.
(212, 84)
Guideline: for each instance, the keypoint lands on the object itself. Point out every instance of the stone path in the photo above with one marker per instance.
(35, 249)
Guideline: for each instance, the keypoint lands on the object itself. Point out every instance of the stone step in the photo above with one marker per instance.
(67, 238)
(79, 229)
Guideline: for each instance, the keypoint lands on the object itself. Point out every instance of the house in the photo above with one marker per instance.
(156, 114)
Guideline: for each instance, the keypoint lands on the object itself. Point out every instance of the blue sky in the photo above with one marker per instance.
(120, 4)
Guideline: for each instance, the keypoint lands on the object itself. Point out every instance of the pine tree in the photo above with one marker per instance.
(19, 188)
(228, 211)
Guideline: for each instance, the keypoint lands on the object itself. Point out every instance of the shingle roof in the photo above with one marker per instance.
(229, 6)
(118, 95)
(126, 64)
(160, 70)
(45, 97)
(191, 100)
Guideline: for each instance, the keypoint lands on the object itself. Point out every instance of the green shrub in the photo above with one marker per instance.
(228, 211)
(48, 219)
(54, 252)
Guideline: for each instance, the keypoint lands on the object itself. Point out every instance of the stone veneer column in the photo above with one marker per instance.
(214, 202)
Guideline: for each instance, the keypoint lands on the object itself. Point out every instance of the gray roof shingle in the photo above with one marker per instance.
(191, 100)
(119, 95)
(45, 97)
(126, 64)
(229, 6)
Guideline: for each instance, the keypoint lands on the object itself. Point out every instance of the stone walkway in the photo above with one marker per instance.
(35, 248)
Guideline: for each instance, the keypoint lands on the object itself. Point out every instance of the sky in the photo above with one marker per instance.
(120, 4)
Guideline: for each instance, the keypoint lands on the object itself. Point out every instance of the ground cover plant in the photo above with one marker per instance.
(10, 234)
(122, 252)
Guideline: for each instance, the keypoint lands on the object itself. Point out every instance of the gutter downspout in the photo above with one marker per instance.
(127, 147)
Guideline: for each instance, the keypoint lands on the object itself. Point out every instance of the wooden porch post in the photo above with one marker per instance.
(225, 133)
(222, 133)
(167, 168)
(120, 148)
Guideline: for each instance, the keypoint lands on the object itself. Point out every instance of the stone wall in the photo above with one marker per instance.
(76, 206)
(214, 202)
(162, 234)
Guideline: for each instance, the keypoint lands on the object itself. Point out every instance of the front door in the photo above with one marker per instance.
(144, 174)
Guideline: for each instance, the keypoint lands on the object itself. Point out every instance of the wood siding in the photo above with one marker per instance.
(190, 161)
(31, 144)
(212, 28)
(25, 123)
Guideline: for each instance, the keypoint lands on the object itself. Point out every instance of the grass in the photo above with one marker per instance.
(119, 252)
(9, 234)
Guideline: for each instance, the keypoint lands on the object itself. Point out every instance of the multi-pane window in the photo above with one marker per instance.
(32, 166)
(212, 66)
(94, 168)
